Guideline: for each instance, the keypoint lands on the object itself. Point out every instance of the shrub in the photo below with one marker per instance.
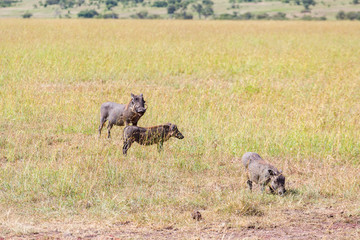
(183, 15)
(153, 16)
(247, 16)
(108, 15)
(340, 15)
(111, 3)
(279, 16)
(52, 2)
(352, 15)
(226, 16)
(145, 15)
(171, 9)
(262, 16)
(311, 18)
(89, 13)
(27, 15)
(140, 15)
(7, 3)
(160, 4)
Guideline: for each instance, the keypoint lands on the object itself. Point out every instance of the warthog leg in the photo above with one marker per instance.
(263, 187)
(102, 123)
(271, 190)
(249, 183)
(160, 146)
(110, 125)
(127, 145)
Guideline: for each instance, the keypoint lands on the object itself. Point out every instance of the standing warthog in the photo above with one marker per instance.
(263, 173)
(150, 135)
(121, 114)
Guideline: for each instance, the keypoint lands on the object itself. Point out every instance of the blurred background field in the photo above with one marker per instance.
(287, 90)
(184, 9)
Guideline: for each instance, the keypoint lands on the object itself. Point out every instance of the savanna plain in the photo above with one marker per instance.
(289, 91)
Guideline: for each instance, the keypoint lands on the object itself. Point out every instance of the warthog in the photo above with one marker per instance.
(122, 114)
(150, 135)
(263, 173)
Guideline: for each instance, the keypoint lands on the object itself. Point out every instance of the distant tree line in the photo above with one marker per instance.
(305, 3)
(341, 15)
(145, 15)
(205, 8)
(62, 3)
(264, 16)
(179, 9)
(8, 3)
(252, 16)
(92, 13)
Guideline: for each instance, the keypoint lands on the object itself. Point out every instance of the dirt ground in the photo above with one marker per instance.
(318, 223)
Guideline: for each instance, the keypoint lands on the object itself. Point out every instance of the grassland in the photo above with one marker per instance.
(287, 90)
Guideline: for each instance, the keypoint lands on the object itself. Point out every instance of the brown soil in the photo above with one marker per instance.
(318, 223)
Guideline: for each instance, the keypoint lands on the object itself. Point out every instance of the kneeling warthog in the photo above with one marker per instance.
(150, 135)
(122, 114)
(263, 173)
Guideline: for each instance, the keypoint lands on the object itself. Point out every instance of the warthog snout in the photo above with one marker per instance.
(278, 184)
(141, 110)
(175, 131)
(138, 103)
(179, 135)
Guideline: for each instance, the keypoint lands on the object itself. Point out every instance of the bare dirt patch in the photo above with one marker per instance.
(315, 223)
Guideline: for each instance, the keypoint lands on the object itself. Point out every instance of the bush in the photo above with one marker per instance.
(311, 18)
(63, 3)
(154, 16)
(89, 13)
(27, 15)
(352, 15)
(110, 15)
(111, 3)
(341, 15)
(52, 2)
(183, 15)
(160, 4)
(140, 15)
(262, 16)
(145, 15)
(279, 16)
(247, 16)
(251, 16)
(225, 16)
(171, 9)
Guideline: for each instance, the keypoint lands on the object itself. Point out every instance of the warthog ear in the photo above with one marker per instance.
(173, 127)
(141, 95)
(271, 172)
(132, 95)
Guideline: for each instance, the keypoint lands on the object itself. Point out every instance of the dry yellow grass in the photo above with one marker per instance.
(287, 90)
